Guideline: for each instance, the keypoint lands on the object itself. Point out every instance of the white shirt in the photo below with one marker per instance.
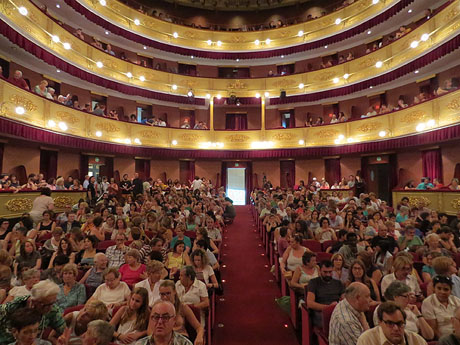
(206, 273)
(111, 296)
(196, 184)
(19, 291)
(410, 281)
(154, 295)
(375, 336)
(197, 291)
(432, 309)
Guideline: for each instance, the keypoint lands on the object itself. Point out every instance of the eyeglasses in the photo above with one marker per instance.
(164, 294)
(399, 324)
(164, 317)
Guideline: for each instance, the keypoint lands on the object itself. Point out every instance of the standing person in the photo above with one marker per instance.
(348, 320)
(196, 184)
(391, 329)
(137, 184)
(126, 186)
(91, 192)
(42, 203)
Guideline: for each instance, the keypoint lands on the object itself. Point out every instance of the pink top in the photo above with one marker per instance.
(129, 276)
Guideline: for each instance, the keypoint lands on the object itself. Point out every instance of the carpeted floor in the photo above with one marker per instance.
(249, 314)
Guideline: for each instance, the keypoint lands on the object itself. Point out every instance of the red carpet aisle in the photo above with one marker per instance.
(249, 313)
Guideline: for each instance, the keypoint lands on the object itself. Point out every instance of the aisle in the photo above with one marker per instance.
(249, 314)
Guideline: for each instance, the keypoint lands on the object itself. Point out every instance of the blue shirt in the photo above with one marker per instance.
(187, 241)
(424, 185)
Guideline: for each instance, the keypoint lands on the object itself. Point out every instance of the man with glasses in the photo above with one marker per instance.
(42, 300)
(391, 329)
(162, 320)
(116, 253)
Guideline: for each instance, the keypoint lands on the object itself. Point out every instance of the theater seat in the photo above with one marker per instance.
(321, 256)
(72, 309)
(313, 245)
(103, 245)
(327, 244)
(323, 334)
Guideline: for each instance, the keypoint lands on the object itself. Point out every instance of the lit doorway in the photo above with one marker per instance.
(236, 185)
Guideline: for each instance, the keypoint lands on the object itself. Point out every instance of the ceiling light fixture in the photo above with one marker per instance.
(23, 11)
(66, 46)
(174, 87)
(137, 21)
(142, 78)
(175, 35)
(338, 21)
(55, 39)
(20, 110)
(99, 64)
(98, 134)
(379, 64)
(300, 33)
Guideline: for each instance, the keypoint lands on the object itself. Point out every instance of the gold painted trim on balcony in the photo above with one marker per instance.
(23, 106)
(174, 34)
(98, 62)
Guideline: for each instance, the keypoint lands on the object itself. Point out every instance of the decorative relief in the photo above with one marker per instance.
(454, 104)
(236, 85)
(284, 83)
(149, 134)
(368, 62)
(150, 24)
(63, 201)
(414, 116)
(110, 63)
(188, 83)
(237, 39)
(107, 127)
(19, 205)
(6, 7)
(67, 117)
(324, 76)
(284, 136)
(419, 201)
(26, 103)
(190, 137)
(456, 203)
(369, 127)
(327, 133)
(237, 138)
(452, 14)
(189, 34)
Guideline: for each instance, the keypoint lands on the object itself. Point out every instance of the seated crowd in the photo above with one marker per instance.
(112, 266)
(350, 254)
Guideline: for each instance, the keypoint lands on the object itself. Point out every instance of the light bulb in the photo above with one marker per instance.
(98, 134)
(301, 142)
(219, 43)
(174, 142)
(209, 42)
(66, 46)
(174, 87)
(137, 21)
(301, 86)
(23, 10)
(51, 123)
(62, 126)
(335, 80)
(55, 39)
(99, 64)
(256, 42)
(129, 75)
(102, 2)
(300, 33)
(414, 44)
(257, 95)
(208, 96)
(338, 21)
(142, 78)
(382, 134)
(218, 96)
(266, 94)
(137, 141)
(20, 110)
(267, 41)
(379, 64)
(425, 37)
(346, 76)
(175, 35)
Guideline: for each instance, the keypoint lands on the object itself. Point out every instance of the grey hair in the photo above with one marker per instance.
(102, 331)
(404, 208)
(164, 302)
(395, 289)
(44, 289)
(30, 273)
(353, 290)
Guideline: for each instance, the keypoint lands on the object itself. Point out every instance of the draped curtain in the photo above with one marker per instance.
(332, 170)
(287, 174)
(249, 179)
(187, 171)
(238, 122)
(48, 163)
(142, 167)
(132, 36)
(223, 176)
(432, 164)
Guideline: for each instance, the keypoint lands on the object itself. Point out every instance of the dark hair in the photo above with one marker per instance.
(190, 272)
(351, 235)
(27, 222)
(283, 231)
(325, 263)
(389, 308)
(98, 221)
(93, 240)
(22, 230)
(341, 233)
(156, 240)
(323, 219)
(307, 256)
(156, 255)
(202, 244)
(178, 242)
(45, 191)
(442, 280)
(24, 317)
(298, 238)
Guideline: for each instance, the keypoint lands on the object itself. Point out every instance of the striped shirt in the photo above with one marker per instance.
(344, 327)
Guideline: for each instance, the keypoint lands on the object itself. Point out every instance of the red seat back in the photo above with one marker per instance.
(327, 313)
(313, 245)
(103, 245)
(321, 256)
(72, 309)
(327, 244)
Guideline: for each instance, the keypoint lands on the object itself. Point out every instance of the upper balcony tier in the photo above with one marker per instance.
(124, 20)
(383, 65)
(25, 112)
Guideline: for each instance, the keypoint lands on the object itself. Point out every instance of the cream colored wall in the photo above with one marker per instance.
(15, 155)
(170, 167)
(125, 165)
(304, 166)
(67, 163)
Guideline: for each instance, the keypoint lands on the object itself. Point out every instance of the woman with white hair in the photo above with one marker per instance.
(42, 299)
(29, 278)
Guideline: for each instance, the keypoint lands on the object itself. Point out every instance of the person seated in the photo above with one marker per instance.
(109, 50)
(177, 258)
(132, 272)
(305, 272)
(391, 328)
(185, 124)
(428, 271)
(79, 34)
(113, 293)
(399, 293)
(447, 87)
(447, 239)
(334, 119)
(51, 94)
(445, 266)
(402, 269)
(42, 88)
(85, 257)
(348, 320)
(19, 81)
(132, 118)
(203, 270)
(342, 117)
(439, 308)
(214, 232)
(71, 293)
(24, 325)
(350, 56)
(29, 278)
(28, 257)
(192, 291)
(99, 109)
(410, 240)
(319, 121)
(77, 321)
(180, 236)
(454, 184)
(402, 31)
(421, 97)
(323, 291)
(94, 276)
(54, 272)
(425, 184)
(96, 43)
(452, 338)
(131, 321)
(292, 257)
(113, 114)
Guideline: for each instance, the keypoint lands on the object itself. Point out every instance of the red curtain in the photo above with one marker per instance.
(48, 163)
(432, 163)
(187, 171)
(238, 122)
(249, 181)
(287, 173)
(142, 167)
(119, 31)
(223, 176)
(332, 170)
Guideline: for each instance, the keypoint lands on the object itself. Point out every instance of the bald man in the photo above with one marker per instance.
(161, 325)
(348, 321)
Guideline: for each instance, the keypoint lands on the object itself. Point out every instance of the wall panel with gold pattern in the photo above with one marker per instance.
(441, 200)
(437, 30)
